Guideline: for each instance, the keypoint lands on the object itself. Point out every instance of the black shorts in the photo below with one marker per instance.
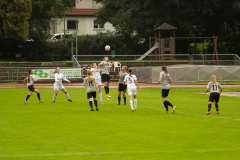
(105, 78)
(122, 87)
(165, 93)
(214, 97)
(91, 95)
(31, 88)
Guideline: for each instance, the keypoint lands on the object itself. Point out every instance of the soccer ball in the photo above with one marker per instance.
(107, 48)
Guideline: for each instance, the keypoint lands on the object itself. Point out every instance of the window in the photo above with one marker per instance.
(96, 25)
(71, 24)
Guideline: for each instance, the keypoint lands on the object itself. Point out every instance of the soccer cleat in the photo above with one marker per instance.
(97, 109)
(166, 111)
(107, 97)
(217, 112)
(173, 109)
(25, 102)
(69, 100)
(92, 109)
(40, 101)
(102, 102)
(208, 113)
(53, 101)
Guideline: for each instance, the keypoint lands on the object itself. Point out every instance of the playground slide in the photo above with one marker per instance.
(148, 52)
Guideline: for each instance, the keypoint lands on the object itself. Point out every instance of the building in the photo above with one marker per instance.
(83, 13)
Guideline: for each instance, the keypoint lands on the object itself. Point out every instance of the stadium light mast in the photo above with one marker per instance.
(76, 38)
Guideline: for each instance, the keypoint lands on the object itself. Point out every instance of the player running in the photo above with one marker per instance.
(97, 76)
(166, 80)
(121, 86)
(105, 67)
(30, 79)
(131, 81)
(58, 85)
(90, 84)
(213, 86)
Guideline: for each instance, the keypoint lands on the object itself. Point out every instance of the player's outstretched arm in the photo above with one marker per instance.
(205, 91)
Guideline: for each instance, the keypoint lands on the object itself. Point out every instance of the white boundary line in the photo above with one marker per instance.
(118, 152)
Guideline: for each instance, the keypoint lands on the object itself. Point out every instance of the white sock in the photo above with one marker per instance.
(135, 104)
(100, 95)
(54, 97)
(67, 96)
(131, 104)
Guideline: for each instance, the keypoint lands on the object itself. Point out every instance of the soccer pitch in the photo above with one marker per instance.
(65, 130)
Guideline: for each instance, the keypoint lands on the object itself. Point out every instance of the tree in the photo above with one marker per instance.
(192, 18)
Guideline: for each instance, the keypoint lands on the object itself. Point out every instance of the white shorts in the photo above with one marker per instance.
(132, 91)
(98, 82)
(58, 86)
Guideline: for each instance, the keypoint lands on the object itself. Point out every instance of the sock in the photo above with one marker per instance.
(119, 100)
(90, 103)
(209, 107)
(67, 95)
(169, 104)
(165, 105)
(100, 95)
(38, 95)
(135, 104)
(124, 100)
(105, 88)
(131, 104)
(27, 97)
(95, 103)
(216, 106)
(54, 97)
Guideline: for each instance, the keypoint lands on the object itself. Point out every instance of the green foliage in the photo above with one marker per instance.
(64, 130)
(192, 18)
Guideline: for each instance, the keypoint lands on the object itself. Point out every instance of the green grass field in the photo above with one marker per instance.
(65, 130)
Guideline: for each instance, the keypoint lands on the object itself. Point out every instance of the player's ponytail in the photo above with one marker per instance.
(29, 75)
(89, 73)
(130, 72)
(164, 68)
(55, 70)
(213, 79)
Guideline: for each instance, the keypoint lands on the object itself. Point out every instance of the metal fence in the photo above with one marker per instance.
(189, 73)
(159, 60)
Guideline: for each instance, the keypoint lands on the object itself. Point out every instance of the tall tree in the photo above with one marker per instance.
(192, 18)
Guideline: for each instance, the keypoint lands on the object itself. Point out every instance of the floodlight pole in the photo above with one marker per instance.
(76, 38)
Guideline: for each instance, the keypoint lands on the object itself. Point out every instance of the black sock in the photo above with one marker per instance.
(119, 100)
(27, 97)
(106, 89)
(90, 103)
(124, 100)
(216, 106)
(169, 104)
(165, 105)
(209, 107)
(38, 95)
(96, 104)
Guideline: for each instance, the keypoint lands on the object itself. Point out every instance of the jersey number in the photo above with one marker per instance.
(214, 87)
(129, 79)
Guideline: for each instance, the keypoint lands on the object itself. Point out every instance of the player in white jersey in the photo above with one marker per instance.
(30, 84)
(105, 67)
(121, 86)
(59, 77)
(166, 80)
(97, 76)
(131, 81)
(214, 87)
(90, 84)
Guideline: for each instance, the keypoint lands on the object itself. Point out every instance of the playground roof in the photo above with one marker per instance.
(165, 26)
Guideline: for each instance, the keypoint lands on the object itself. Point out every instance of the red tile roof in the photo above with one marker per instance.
(81, 12)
